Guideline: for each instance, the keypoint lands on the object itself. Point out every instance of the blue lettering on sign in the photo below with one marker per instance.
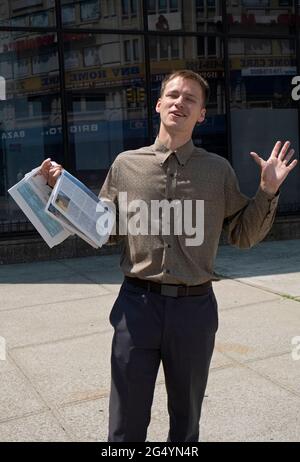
(79, 76)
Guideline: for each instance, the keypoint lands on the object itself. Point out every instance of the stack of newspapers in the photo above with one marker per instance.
(67, 209)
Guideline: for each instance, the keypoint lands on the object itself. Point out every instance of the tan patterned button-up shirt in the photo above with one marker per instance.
(155, 173)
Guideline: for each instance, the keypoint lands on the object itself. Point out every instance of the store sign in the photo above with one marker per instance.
(29, 44)
(268, 71)
(74, 129)
(13, 134)
(250, 19)
(267, 62)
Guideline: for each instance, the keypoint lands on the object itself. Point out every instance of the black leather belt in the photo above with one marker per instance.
(171, 290)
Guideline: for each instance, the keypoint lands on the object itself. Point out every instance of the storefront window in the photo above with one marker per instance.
(103, 14)
(211, 134)
(261, 16)
(30, 114)
(107, 110)
(27, 13)
(184, 15)
(262, 109)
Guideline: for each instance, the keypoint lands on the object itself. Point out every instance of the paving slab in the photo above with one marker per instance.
(283, 370)
(67, 371)
(257, 331)
(243, 406)
(233, 294)
(52, 322)
(49, 291)
(36, 428)
(17, 397)
(33, 272)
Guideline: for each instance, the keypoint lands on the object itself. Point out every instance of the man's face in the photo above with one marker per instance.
(181, 106)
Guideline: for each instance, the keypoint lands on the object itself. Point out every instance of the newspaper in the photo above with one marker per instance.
(70, 208)
(32, 194)
(86, 213)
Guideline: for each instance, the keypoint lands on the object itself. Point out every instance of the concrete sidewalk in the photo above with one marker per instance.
(55, 379)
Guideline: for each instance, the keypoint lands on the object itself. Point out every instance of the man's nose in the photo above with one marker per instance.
(179, 101)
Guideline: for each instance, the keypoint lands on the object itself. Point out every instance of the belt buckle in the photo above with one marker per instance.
(169, 290)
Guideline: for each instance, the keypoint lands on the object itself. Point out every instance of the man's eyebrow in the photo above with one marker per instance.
(185, 93)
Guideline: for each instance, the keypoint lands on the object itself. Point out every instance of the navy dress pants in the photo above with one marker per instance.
(150, 328)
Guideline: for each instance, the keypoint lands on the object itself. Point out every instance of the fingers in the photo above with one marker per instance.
(276, 149)
(288, 156)
(257, 159)
(284, 150)
(54, 173)
(292, 165)
(45, 166)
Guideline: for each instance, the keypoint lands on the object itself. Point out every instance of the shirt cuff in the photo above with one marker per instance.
(263, 195)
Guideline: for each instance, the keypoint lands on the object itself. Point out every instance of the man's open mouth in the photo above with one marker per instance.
(177, 114)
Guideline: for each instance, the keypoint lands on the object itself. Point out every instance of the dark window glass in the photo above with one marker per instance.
(30, 115)
(262, 109)
(201, 46)
(192, 15)
(127, 50)
(211, 134)
(107, 111)
(257, 16)
(125, 7)
(102, 14)
(27, 13)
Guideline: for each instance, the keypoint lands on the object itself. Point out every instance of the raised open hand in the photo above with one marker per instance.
(275, 170)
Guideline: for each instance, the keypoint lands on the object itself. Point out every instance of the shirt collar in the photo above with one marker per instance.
(183, 153)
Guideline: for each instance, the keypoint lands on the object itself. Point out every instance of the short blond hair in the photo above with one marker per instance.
(187, 74)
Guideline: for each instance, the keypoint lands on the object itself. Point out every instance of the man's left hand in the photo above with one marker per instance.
(275, 170)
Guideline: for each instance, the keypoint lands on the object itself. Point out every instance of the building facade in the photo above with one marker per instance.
(79, 81)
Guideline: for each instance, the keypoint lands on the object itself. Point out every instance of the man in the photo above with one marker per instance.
(166, 309)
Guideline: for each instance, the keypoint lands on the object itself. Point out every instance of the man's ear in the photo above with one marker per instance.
(158, 104)
(202, 115)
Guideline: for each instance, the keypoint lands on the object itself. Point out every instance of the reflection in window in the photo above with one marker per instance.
(252, 16)
(68, 14)
(162, 6)
(45, 62)
(261, 72)
(72, 59)
(127, 50)
(103, 14)
(107, 109)
(125, 7)
(131, 50)
(164, 48)
(30, 125)
(212, 133)
(207, 46)
(89, 10)
(92, 56)
(39, 20)
(22, 68)
(27, 13)
(262, 109)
